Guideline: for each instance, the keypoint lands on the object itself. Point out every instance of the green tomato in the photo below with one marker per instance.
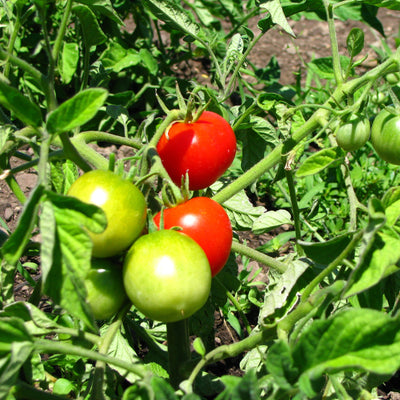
(167, 276)
(385, 136)
(105, 288)
(353, 134)
(393, 78)
(124, 206)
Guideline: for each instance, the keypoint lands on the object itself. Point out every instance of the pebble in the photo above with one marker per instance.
(8, 213)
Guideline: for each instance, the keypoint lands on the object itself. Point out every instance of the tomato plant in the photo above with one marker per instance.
(205, 221)
(204, 149)
(123, 204)
(385, 136)
(353, 134)
(167, 276)
(105, 288)
(98, 85)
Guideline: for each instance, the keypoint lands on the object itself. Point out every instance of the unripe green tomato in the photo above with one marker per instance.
(105, 288)
(353, 134)
(385, 136)
(393, 78)
(122, 202)
(378, 98)
(167, 276)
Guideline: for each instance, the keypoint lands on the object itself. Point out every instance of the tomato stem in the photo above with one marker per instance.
(258, 256)
(98, 377)
(178, 350)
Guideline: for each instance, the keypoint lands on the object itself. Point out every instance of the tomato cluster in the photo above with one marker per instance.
(167, 273)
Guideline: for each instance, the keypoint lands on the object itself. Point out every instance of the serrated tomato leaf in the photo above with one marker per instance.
(76, 111)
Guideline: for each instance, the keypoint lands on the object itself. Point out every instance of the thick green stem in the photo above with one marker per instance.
(98, 376)
(231, 350)
(258, 256)
(61, 31)
(50, 347)
(337, 68)
(239, 65)
(295, 208)
(98, 136)
(332, 266)
(178, 350)
(43, 159)
(72, 154)
(173, 115)
(90, 155)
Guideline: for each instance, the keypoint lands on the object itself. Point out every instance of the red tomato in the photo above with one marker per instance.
(204, 149)
(206, 222)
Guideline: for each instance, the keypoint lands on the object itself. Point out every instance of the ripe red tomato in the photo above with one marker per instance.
(167, 276)
(122, 202)
(205, 221)
(105, 288)
(204, 149)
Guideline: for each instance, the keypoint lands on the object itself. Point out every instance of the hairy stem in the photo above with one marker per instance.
(178, 350)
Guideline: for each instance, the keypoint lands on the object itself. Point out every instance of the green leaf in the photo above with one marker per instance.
(276, 295)
(323, 67)
(280, 365)
(26, 111)
(76, 111)
(277, 15)
(255, 135)
(392, 213)
(361, 278)
(325, 252)
(104, 7)
(390, 4)
(66, 253)
(68, 62)
(241, 212)
(63, 386)
(92, 33)
(240, 388)
(360, 339)
(391, 196)
(379, 263)
(162, 389)
(36, 321)
(319, 161)
(122, 350)
(19, 354)
(175, 16)
(12, 330)
(355, 42)
(13, 249)
(271, 220)
(118, 58)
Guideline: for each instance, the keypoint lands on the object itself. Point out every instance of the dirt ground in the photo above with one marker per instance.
(312, 41)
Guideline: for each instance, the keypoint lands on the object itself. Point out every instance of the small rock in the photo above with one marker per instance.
(8, 213)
